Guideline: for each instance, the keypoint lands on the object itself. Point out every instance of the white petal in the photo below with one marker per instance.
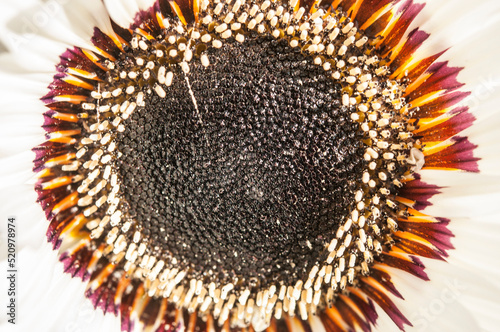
(471, 34)
(55, 302)
(46, 29)
(486, 135)
(458, 288)
(462, 194)
(122, 11)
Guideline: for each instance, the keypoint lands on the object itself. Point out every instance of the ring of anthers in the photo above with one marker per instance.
(331, 41)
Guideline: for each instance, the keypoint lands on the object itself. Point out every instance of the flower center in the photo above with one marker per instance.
(247, 168)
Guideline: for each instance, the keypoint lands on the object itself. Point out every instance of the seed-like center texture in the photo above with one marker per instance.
(248, 166)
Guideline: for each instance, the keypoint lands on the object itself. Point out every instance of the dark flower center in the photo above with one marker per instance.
(247, 167)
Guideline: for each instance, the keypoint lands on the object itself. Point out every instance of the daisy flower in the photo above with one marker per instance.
(250, 165)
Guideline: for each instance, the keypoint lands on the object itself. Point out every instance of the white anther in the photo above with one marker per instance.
(161, 75)
(217, 43)
(229, 18)
(349, 41)
(416, 158)
(206, 20)
(299, 13)
(221, 28)
(130, 89)
(206, 38)
(226, 34)
(239, 38)
(259, 18)
(159, 90)
(243, 18)
(142, 44)
(351, 79)
(204, 60)
(218, 8)
(345, 100)
(347, 27)
(251, 25)
(361, 41)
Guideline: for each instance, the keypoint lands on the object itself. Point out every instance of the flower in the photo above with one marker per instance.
(374, 253)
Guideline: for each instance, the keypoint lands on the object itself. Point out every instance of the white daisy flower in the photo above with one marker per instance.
(250, 165)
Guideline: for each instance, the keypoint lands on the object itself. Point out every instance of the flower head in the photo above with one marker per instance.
(254, 164)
